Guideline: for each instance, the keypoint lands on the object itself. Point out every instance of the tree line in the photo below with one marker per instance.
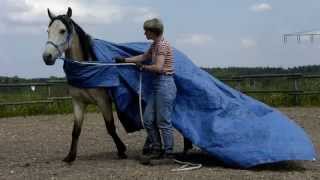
(215, 71)
(239, 71)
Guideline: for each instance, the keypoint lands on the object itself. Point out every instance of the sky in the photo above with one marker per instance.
(213, 33)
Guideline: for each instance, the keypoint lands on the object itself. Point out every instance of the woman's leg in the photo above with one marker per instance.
(153, 136)
(164, 106)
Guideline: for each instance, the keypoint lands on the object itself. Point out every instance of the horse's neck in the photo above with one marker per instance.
(75, 53)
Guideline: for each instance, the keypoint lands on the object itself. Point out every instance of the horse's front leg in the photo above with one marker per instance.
(106, 109)
(78, 111)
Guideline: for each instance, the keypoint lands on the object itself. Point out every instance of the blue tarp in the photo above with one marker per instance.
(222, 121)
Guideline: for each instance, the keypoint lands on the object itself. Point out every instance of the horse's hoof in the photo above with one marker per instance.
(122, 148)
(69, 159)
(122, 156)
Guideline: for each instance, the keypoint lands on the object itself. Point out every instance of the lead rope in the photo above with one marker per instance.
(185, 166)
(140, 99)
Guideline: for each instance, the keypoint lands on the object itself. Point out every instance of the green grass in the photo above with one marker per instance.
(57, 107)
(25, 94)
(21, 94)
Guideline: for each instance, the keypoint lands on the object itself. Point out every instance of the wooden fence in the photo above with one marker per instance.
(236, 82)
(50, 97)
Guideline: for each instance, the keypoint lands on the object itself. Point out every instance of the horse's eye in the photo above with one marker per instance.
(62, 31)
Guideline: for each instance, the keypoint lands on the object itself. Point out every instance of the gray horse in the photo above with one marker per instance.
(65, 36)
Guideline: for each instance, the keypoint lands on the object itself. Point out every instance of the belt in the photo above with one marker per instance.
(166, 73)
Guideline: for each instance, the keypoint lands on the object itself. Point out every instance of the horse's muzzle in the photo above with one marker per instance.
(47, 58)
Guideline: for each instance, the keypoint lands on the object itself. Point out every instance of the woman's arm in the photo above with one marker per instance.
(157, 66)
(136, 59)
(140, 58)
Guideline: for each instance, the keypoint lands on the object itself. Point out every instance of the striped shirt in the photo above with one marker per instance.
(162, 47)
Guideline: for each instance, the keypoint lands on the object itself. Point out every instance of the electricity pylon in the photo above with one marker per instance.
(306, 35)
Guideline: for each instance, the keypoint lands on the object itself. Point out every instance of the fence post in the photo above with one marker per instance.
(49, 91)
(296, 88)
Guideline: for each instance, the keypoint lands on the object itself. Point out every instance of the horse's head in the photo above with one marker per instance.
(60, 32)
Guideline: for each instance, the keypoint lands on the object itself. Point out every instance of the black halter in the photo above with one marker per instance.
(74, 28)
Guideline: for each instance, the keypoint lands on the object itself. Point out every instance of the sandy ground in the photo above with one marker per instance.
(33, 147)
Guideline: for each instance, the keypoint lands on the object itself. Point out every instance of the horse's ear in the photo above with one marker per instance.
(51, 16)
(69, 13)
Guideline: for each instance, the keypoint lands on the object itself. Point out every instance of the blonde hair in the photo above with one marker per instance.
(154, 25)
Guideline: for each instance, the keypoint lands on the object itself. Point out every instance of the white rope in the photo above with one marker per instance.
(186, 166)
(102, 64)
(140, 99)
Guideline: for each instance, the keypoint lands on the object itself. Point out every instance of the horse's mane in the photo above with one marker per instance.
(85, 42)
(84, 38)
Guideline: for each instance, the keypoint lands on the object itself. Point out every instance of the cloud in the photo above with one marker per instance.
(34, 12)
(248, 43)
(141, 14)
(262, 7)
(194, 39)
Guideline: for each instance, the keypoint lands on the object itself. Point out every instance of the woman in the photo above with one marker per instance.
(157, 115)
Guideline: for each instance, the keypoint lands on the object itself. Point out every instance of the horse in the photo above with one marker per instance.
(65, 36)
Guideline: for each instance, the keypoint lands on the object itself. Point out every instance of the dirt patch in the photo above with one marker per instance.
(33, 147)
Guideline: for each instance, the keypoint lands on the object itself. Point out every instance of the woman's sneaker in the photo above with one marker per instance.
(146, 151)
(168, 156)
(146, 157)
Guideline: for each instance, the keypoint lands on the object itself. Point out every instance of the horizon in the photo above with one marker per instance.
(59, 77)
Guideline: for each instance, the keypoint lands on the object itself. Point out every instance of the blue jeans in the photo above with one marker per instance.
(157, 115)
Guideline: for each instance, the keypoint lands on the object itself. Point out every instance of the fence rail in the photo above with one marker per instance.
(49, 83)
(33, 87)
(295, 91)
(26, 102)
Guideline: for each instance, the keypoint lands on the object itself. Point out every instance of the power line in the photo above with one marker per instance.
(311, 35)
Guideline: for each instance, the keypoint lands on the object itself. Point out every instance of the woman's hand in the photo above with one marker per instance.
(140, 66)
(120, 60)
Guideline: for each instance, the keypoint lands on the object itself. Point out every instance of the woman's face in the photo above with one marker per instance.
(149, 35)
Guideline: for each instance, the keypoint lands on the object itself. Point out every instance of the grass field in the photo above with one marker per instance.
(46, 92)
